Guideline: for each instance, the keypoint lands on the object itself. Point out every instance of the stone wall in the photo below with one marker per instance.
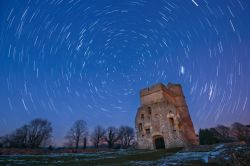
(164, 113)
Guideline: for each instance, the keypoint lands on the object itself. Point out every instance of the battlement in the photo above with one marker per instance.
(171, 89)
(152, 89)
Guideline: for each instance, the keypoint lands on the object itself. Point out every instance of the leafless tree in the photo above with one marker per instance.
(20, 138)
(240, 131)
(224, 133)
(84, 142)
(5, 141)
(112, 136)
(33, 135)
(98, 136)
(77, 134)
(126, 136)
(39, 132)
(223, 130)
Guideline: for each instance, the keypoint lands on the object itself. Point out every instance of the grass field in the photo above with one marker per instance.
(223, 154)
(119, 157)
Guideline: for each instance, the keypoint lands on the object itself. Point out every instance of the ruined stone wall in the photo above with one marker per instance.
(164, 113)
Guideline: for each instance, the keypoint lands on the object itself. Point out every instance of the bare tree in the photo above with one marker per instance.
(33, 135)
(39, 132)
(223, 130)
(85, 142)
(126, 136)
(5, 141)
(77, 134)
(20, 138)
(2, 142)
(112, 136)
(240, 131)
(98, 136)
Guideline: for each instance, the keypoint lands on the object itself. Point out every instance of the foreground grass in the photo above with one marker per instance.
(119, 157)
(230, 154)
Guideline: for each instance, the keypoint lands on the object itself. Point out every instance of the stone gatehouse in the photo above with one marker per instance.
(163, 120)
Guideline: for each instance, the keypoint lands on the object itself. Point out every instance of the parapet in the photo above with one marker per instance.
(152, 89)
(176, 89)
(171, 89)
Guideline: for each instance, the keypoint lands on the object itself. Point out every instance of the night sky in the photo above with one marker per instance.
(65, 60)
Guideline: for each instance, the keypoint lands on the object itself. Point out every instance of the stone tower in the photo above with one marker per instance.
(163, 120)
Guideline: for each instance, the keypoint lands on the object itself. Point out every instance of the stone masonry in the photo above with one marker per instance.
(163, 120)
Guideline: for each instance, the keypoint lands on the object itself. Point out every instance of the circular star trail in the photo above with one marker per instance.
(69, 59)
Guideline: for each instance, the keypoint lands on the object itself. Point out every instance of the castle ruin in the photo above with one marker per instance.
(163, 120)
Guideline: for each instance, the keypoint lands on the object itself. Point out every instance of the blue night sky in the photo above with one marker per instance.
(65, 60)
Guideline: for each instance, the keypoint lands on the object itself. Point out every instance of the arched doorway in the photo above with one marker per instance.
(159, 142)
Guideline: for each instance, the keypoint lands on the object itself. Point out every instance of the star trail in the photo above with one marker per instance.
(65, 60)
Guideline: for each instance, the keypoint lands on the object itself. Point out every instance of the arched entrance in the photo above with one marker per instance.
(159, 142)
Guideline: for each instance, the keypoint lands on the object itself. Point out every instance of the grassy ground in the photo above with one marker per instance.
(119, 157)
(221, 155)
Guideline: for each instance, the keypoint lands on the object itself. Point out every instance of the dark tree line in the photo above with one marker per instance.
(221, 133)
(38, 133)
(32, 135)
(122, 137)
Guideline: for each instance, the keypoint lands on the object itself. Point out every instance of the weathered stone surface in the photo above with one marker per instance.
(163, 119)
